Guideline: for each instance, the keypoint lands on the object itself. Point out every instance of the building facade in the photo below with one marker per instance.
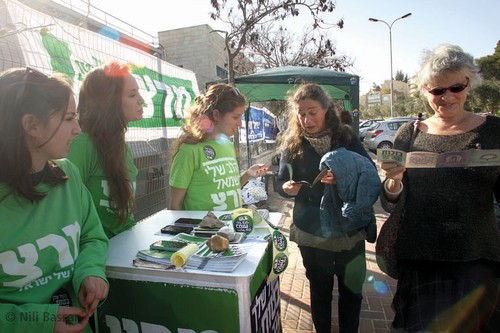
(376, 98)
(198, 48)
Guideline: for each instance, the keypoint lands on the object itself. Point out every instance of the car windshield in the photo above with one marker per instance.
(369, 122)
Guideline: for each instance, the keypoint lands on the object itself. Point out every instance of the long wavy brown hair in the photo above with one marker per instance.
(101, 116)
(200, 118)
(292, 138)
(27, 91)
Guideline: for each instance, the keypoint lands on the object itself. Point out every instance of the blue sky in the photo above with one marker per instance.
(474, 25)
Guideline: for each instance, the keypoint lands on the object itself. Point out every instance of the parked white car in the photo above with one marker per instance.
(382, 134)
(365, 125)
(369, 122)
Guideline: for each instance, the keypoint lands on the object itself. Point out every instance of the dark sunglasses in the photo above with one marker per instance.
(456, 88)
(29, 78)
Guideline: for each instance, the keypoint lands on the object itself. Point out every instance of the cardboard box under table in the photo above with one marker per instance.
(149, 300)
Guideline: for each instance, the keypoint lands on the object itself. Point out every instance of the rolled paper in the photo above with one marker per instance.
(180, 257)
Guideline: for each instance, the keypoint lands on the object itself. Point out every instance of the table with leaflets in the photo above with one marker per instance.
(147, 300)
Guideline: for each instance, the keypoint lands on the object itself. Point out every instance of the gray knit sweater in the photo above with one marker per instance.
(449, 212)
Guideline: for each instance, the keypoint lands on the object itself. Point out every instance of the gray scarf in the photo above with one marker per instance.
(321, 142)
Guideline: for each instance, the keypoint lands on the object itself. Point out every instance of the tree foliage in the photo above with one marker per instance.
(486, 97)
(400, 76)
(251, 31)
(490, 65)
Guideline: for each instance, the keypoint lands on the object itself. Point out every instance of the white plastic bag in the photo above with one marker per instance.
(253, 192)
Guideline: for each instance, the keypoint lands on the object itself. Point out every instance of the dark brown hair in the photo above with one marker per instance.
(101, 117)
(28, 91)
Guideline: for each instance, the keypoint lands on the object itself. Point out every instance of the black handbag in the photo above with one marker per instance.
(385, 248)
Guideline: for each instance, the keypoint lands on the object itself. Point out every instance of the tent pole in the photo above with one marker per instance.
(247, 119)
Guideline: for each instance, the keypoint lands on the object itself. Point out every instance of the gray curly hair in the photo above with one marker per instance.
(447, 58)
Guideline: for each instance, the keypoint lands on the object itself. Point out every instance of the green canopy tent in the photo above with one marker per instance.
(273, 84)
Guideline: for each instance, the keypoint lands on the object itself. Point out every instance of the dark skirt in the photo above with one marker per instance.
(447, 297)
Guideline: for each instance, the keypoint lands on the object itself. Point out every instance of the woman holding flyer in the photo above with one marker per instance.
(314, 130)
(448, 245)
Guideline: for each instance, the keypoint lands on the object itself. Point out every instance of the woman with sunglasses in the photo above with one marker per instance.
(109, 101)
(52, 245)
(205, 173)
(448, 245)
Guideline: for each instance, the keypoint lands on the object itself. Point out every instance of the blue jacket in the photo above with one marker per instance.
(347, 205)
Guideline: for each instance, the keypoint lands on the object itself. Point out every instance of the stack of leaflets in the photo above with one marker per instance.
(223, 261)
(155, 256)
(161, 251)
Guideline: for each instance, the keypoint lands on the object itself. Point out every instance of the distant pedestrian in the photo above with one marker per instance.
(345, 117)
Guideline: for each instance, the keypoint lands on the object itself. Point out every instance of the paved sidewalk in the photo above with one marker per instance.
(376, 313)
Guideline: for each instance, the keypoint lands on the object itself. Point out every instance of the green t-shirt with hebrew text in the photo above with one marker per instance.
(209, 171)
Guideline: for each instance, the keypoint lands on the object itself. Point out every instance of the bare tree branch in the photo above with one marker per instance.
(245, 17)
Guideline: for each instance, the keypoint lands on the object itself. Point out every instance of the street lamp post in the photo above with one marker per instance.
(390, 51)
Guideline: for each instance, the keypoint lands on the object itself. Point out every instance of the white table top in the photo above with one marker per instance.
(124, 247)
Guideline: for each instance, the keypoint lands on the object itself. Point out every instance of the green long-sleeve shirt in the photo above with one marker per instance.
(84, 155)
(46, 247)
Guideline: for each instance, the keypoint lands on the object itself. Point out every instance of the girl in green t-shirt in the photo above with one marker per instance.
(204, 173)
